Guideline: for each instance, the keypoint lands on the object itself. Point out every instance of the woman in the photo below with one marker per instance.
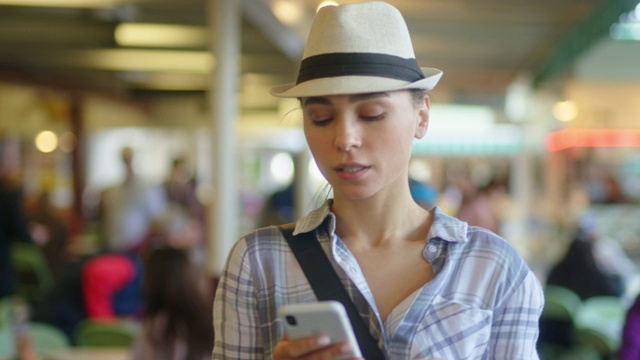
(427, 285)
(579, 263)
(174, 326)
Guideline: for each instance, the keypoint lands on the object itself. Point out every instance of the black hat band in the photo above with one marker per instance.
(363, 64)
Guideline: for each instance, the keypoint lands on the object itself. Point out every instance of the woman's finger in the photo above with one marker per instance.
(296, 349)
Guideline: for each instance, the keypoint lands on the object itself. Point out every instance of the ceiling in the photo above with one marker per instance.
(482, 45)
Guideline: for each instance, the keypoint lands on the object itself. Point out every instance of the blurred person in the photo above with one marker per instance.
(184, 221)
(613, 190)
(609, 254)
(14, 226)
(131, 211)
(478, 207)
(42, 212)
(604, 187)
(132, 217)
(279, 208)
(175, 325)
(180, 188)
(64, 306)
(426, 285)
(579, 269)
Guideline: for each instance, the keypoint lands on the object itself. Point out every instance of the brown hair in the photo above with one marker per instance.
(417, 95)
(172, 287)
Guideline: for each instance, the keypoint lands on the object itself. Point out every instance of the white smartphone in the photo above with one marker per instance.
(320, 318)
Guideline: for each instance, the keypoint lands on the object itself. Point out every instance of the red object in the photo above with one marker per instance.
(573, 137)
(102, 278)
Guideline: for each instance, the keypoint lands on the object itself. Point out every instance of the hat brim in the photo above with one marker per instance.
(354, 84)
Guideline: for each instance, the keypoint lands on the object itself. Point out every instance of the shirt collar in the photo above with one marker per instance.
(444, 227)
(315, 218)
(447, 228)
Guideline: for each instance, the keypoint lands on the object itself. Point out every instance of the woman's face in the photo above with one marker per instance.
(362, 143)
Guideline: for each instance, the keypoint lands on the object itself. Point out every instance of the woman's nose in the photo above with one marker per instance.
(347, 136)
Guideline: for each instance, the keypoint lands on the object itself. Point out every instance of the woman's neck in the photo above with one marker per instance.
(377, 222)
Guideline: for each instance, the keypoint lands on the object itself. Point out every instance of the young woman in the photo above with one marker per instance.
(427, 285)
(175, 326)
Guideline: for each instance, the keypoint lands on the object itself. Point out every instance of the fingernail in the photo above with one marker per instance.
(324, 340)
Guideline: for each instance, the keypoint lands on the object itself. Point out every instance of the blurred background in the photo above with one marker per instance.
(535, 123)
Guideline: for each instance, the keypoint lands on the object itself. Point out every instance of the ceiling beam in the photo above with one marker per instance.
(283, 37)
(585, 35)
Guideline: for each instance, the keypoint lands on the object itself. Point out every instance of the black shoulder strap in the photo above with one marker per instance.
(327, 285)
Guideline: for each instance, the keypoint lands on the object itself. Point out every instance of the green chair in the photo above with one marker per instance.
(5, 311)
(599, 324)
(6, 341)
(47, 337)
(35, 279)
(44, 336)
(579, 353)
(105, 333)
(557, 321)
(550, 351)
(560, 303)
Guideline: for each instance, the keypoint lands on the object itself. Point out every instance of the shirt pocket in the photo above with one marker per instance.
(452, 330)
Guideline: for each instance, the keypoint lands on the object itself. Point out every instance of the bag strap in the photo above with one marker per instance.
(327, 285)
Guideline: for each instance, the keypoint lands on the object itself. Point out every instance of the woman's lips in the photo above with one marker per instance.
(351, 171)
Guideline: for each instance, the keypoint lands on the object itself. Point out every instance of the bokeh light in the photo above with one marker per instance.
(68, 142)
(281, 168)
(565, 111)
(46, 141)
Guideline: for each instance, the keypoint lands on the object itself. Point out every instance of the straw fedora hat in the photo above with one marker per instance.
(358, 48)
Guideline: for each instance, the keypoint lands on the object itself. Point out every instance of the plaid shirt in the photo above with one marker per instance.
(483, 303)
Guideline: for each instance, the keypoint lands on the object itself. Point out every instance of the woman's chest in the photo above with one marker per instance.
(391, 279)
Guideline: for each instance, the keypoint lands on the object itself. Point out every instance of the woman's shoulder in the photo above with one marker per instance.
(496, 259)
(271, 236)
(264, 236)
(482, 237)
(476, 245)
(459, 232)
(262, 242)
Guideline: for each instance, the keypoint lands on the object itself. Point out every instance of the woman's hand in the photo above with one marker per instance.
(310, 348)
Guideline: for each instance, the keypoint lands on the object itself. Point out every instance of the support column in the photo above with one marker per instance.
(224, 22)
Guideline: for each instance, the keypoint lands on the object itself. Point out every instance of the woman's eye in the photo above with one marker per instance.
(319, 115)
(373, 117)
(321, 122)
(320, 118)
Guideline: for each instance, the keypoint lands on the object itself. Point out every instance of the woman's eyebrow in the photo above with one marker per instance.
(316, 100)
(367, 96)
(352, 98)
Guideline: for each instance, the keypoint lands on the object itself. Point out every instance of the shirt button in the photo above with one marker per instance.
(432, 248)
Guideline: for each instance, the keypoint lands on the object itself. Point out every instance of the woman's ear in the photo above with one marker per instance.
(422, 118)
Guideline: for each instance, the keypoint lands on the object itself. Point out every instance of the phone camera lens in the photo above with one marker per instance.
(291, 320)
